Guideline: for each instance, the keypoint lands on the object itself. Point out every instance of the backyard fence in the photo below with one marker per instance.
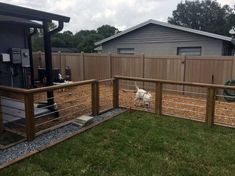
(21, 111)
(28, 113)
(207, 107)
(181, 86)
(201, 69)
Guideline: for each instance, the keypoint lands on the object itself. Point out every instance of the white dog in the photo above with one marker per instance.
(142, 95)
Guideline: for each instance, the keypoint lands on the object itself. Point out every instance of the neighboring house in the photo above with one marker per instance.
(158, 38)
(18, 25)
(98, 49)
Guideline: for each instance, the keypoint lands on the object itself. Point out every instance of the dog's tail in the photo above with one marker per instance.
(136, 86)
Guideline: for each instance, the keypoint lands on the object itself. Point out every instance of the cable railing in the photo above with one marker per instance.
(207, 105)
(12, 111)
(42, 113)
(105, 95)
(37, 112)
(224, 111)
(127, 95)
(184, 104)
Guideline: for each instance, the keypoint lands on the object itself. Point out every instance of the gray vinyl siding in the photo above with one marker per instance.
(158, 40)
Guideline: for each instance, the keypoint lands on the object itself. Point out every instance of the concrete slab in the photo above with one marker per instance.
(83, 120)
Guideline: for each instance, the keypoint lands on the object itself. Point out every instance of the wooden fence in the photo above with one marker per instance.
(201, 69)
(211, 110)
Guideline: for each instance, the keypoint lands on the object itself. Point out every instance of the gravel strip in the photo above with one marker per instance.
(21, 149)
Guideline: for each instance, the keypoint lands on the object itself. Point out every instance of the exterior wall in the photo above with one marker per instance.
(155, 40)
(12, 36)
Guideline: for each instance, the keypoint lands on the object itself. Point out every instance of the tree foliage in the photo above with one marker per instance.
(107, 31)
(83, 40)
(206, 15)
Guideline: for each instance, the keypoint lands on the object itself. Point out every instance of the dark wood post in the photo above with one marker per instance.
(39, 59)
(115, 93)
(210, 106)
(158, 98)
(62, 64)
(29, 115)
(1, 119)
(48, 62)
(31, 55)
(95, 97)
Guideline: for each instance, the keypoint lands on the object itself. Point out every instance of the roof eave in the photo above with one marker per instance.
(34, 25)
(198, 32)
(31, 14)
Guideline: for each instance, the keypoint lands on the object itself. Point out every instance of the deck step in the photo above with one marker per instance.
(14, 110)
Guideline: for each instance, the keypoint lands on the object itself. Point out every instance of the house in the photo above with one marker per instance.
(14, 40)
(18, 25)
(158, 38)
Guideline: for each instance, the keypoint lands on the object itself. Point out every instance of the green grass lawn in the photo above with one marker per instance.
(138, 143)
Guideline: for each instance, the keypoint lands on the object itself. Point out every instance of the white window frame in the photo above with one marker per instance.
(130, 51)
(192, 54)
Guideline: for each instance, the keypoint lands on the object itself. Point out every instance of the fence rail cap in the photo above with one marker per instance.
(43, 89)
(216, 86)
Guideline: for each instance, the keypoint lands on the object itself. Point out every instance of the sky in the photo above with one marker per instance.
(91, 14)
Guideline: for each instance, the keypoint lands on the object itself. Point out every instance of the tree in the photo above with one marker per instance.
(206, 15)
(107, 31)
(37, 39)
(65, 39)
(84, 40)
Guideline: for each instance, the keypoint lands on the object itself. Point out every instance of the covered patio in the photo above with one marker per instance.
(13, 18)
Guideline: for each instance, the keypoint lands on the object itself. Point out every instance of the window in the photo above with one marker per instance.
(189, 51)
(126, 51)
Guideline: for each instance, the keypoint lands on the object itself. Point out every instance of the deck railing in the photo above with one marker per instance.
(93, 97)
(88, 99)
(208, 106)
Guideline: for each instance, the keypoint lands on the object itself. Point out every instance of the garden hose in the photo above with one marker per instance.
(228, 95)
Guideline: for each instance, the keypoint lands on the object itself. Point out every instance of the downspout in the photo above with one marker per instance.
(58, 29)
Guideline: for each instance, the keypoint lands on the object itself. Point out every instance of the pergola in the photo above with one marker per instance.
(27, 14)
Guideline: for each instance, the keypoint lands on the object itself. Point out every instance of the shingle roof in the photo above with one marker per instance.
(207, 34)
